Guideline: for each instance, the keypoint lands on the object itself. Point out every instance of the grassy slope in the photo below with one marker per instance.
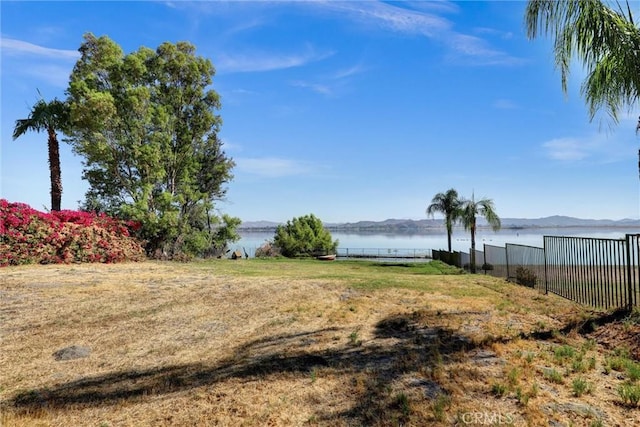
(253, 342)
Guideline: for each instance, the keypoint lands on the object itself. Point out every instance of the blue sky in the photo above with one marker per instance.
(358, 110)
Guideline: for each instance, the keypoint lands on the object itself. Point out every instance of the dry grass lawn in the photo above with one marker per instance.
(293, 343)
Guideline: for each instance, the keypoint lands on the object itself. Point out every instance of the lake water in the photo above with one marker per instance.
(460, 240)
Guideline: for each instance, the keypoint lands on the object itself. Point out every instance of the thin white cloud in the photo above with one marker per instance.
(55, 75)
(598, 148)
(466, 49)
(19, 47)
(391, 17)
(443, 6)
(476, 51)
(332, 84)
(315, 87)
(506, 35)
(244, 26)
(505, 104)
(348, 72)
(271, 167)
(230, 146)
(260, 61)
(566, 149)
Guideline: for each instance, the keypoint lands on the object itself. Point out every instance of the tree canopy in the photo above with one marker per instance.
(304, 236)
(146, 125)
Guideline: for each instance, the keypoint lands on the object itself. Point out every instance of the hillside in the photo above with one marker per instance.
(401, 225)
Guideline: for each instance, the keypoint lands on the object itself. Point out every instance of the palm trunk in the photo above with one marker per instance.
(449, 235)
(55, 171)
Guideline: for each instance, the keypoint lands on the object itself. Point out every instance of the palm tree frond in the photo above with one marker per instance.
(604, 40)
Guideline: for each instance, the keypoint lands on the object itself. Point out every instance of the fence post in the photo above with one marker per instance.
(629, 267)
(546, 274)
(506, 257)
(484, 258)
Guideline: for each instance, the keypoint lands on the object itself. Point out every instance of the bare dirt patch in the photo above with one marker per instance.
(291, 343)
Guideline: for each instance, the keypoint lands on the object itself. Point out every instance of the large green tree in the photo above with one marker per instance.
(304, 236)
(51, 117)
(604, 39)
(448, 204)
(469, 211)
(147, 127)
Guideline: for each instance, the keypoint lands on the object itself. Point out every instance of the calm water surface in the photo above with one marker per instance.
(460, 240)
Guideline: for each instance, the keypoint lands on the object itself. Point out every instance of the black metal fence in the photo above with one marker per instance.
(589, 271)
(495, 261)
(525, 265)
(597, 272)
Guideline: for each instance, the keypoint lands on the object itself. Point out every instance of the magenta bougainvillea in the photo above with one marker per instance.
(29, 236)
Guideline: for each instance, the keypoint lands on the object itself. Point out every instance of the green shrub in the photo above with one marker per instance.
(525, 277)
(304, 236)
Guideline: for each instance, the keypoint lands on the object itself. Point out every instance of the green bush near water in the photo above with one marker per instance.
(304, 236)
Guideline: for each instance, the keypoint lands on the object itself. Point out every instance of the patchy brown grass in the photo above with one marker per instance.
(289, 343)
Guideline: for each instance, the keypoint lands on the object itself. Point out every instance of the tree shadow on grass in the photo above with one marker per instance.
(582, 326)
(402, 345)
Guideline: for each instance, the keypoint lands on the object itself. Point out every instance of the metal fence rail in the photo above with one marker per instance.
(525, 265)
(495, 259)
(633, 269)
(452, 258)
(590, 271)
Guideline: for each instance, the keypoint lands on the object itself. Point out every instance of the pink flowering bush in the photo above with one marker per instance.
(29, 236)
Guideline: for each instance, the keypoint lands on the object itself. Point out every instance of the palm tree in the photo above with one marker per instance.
(606, 41)
(51, 117)
(448, 204)
(469, 212)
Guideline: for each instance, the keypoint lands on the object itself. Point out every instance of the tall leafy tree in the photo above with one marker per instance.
(605, 40)
(147, 127)
(51, 117)
(448, 204)
(469, 212)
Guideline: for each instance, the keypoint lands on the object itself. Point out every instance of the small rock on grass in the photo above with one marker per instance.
(73, 352)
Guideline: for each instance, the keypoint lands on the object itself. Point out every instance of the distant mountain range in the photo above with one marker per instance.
(404, 225)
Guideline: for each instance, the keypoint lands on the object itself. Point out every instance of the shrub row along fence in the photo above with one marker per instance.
(592, 271)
